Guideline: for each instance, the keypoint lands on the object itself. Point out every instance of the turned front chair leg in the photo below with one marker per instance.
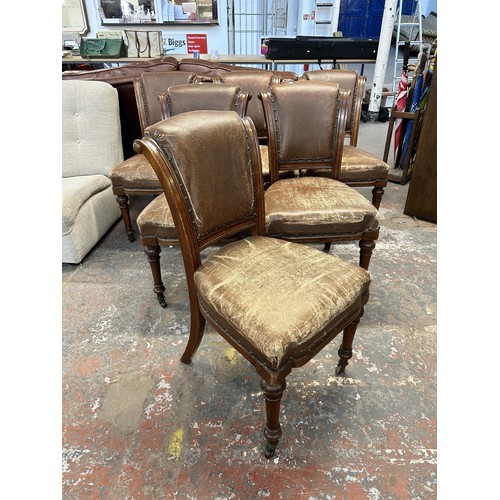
(377, 193)
(196, 332)
(345, 349)
(272, 432)
(124, 207)
(366, 249)
(153, 254)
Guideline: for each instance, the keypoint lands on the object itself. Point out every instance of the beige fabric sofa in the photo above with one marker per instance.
(91, 148)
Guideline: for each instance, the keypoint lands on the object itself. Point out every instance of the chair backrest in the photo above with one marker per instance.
(91, 133)
(149, 85)
(254, 82)
(306, 126)
(355, 84)
(203, 96)
(208, 164)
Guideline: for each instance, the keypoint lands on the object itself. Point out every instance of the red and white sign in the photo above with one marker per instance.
(197, 42)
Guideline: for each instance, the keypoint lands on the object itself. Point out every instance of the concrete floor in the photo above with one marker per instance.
(137, 423)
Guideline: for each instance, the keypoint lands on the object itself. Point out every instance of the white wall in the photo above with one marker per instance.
(427, 6)
(216, 34)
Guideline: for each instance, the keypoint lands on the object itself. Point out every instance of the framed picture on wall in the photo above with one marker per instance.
(158, 12)
(74, 17)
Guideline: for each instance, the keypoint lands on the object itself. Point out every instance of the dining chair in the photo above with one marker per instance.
(135, 176)
(276, 302)
(306, 129)
(155, 221)
(254, 82)
(359, 167)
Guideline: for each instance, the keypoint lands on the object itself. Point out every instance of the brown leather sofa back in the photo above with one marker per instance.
(202, 67)
(124, 73)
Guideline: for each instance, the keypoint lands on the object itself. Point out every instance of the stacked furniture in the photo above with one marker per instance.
(152, 103)
(123, 77)
(275, 302)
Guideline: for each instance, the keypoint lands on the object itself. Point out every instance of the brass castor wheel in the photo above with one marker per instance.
(270, 449)
(339, 369)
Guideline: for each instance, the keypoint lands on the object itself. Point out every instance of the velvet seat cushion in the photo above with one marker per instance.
(156, 219)
(135, 173)
(357, 166)
(297, 293)
(360, 165)
(306, 206)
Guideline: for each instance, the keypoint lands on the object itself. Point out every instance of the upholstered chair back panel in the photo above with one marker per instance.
(347, 80)
(149, 85)
(91, 133)
(253, 82)
(219, 180)
(303, 102)
(199, 96)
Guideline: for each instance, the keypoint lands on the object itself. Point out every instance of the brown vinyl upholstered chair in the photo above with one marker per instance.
(183, 98)
(135, 176)
(276, 302)
(306, 129)
(155, 222)
(359, 167)
(254, 82)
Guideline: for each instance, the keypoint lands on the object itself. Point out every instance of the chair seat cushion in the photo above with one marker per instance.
(75, 192)
(156, 220)
(277, 295)
(357, 166)
(309, 206)
(360, 165)
(135, 173)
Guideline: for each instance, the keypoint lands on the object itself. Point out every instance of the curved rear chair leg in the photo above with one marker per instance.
(153, 254)
(272, 432)
(377, 193)
(122, 200)
(365, 255)
(328, 245)
(345, 350)
(195, 335)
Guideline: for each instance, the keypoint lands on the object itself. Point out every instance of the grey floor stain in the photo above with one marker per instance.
(125, 400)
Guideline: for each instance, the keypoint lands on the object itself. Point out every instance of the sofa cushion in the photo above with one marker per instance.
(75, 192)
(91, 137)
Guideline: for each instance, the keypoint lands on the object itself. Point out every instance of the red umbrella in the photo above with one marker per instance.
(400, 106)
(401, 99)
